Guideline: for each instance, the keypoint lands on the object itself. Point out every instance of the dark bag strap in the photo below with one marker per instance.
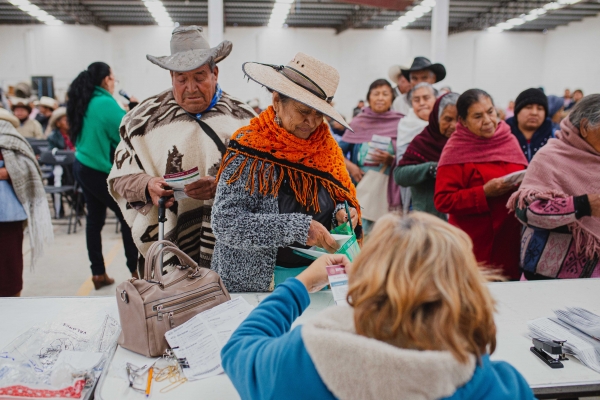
(213, 135)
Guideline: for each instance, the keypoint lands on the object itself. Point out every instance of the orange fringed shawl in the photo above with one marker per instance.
(308, 163)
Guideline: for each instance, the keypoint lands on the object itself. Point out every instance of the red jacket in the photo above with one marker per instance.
(495, 232)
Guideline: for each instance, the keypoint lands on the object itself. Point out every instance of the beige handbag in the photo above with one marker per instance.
(371, 193)
(149, 307)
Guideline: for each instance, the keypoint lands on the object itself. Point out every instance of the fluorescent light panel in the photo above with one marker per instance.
(36, 12)
(416, 12)
(532, 15)
(158, 11)
(280, 12)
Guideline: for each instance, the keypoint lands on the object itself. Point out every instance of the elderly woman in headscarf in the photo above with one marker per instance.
(283, 181)
(376, 119)
(422, 97)
(556, 108)
(471, 185)
(418, 167)
(24, 204)
(559, 200)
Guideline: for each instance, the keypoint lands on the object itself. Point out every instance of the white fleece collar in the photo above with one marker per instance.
(357, 367)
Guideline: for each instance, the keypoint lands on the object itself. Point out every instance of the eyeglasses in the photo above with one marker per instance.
(301, 80)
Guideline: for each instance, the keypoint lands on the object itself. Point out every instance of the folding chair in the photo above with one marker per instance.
(71, 193)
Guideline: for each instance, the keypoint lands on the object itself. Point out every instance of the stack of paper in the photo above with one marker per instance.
(568, 327)
(201, 339)
(581, 319)
(383, 143)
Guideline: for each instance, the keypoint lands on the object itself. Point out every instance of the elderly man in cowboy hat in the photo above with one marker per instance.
(45, 106)
(421, 70)
(28, 128)
(184, 127)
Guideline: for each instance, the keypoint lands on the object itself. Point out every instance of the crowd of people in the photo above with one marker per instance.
(441, 162)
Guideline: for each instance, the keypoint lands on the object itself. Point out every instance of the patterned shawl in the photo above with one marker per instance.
(565, 167)
(26, 180)
(426, 146)
(273, 153)
(158, 137)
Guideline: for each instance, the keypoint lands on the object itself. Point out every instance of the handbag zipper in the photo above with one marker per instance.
(185, 299)
(181, 278)
(183, 309)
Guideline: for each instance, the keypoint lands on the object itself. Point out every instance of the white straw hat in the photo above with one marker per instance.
(304, 79)
(8, 116)
(47, 102)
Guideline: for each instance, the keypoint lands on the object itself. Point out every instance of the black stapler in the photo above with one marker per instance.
(550, 352)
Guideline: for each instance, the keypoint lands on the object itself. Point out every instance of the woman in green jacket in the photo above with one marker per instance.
(418, 167)
(94, 119)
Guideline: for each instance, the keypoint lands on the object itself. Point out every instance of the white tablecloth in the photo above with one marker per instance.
(517, 302)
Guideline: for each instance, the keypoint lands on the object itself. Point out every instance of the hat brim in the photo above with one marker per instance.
(55, 117)
(438, 69)
(271, 79)
(192, 59)
(6, 116)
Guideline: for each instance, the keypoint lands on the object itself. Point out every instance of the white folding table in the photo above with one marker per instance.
(517, 302)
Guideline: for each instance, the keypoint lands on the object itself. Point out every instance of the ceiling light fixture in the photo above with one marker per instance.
(532, 15)
(280, 12)
(416, 12)
(36, 12)
(158, 11)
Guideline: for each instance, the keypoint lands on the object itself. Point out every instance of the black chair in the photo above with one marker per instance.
(70, 192)
(39, 145)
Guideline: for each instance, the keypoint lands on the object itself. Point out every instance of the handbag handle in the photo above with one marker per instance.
(156, 250)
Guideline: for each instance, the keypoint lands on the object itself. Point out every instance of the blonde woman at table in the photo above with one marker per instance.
(420, 326)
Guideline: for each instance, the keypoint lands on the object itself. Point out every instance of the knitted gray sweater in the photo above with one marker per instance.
(248, 230)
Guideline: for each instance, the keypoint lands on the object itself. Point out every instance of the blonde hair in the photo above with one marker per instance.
(416, 285)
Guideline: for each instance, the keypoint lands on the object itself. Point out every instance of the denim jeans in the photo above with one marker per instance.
(97, 200)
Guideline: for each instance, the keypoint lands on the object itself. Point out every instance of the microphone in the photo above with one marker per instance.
(124, 94)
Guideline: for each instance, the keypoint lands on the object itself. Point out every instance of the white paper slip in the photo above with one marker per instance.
(178, 181)
(515, 178)
(339, 283)
(316, 252)
(201, 339)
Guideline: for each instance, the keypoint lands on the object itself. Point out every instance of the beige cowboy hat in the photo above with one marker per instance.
(20, 102)
(394, 73)
(56, 115)
(304, 79)
(190, 50)
(7, 116)
(47, 102)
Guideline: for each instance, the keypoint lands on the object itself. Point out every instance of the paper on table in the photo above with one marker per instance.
(201, 339)
(582, 346)
(178, 181)
(515, 177)
(582, 319)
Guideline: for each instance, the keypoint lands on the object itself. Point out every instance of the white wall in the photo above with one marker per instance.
(503, 64)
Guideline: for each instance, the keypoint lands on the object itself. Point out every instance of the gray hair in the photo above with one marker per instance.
(587, 108)
(419, 86)
(448, 100)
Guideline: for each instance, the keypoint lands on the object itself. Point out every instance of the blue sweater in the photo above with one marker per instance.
(265, 360)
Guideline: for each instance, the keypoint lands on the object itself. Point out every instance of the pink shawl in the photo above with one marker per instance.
(565, 167)
(466, 147)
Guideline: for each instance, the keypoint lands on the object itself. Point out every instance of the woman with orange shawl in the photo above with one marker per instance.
(283, 181)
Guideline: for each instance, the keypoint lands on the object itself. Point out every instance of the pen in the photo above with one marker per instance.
(348, 215)
(149, 385)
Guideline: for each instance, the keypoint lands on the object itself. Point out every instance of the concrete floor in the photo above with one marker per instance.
(64, 270)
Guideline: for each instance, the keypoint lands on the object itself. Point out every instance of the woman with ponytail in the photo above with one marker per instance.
(94, 119)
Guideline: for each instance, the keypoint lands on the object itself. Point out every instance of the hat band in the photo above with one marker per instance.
(301, 80)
